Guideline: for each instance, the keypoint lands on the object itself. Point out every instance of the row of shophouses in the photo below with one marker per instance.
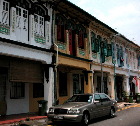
(52, 49)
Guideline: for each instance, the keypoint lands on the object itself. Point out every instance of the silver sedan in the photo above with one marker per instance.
(83, 107)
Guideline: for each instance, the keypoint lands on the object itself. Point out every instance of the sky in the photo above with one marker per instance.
(121, 15)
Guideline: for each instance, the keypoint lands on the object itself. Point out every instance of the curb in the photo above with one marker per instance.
(21, 120)
(127, 107)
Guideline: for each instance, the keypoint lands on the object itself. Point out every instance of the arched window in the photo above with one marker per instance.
(93, 39)
(60, 22)
(81, 35)
(98, 43)
(127, 56)
(22, 9)
(118, 54)
(39, 14)
(71, 31)
(121, 56)
(4, 11)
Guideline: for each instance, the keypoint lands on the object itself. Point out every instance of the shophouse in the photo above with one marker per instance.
(115, 62)
(91, 56)
(26, 72)
(70, 26)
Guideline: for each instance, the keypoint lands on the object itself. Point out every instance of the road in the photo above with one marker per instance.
(129, 116)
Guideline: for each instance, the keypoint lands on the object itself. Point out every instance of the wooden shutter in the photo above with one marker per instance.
(80, 40)
(70, 41)
(26, 71)
(59, 32)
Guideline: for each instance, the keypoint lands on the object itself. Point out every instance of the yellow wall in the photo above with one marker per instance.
(33, 104)
(73, 62)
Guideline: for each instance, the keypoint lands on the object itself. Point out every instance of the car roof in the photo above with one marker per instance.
(89, 93)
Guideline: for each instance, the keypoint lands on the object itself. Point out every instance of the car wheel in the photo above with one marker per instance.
(85, 119)
(112, 113)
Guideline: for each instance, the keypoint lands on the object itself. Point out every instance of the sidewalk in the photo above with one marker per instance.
(24, 120)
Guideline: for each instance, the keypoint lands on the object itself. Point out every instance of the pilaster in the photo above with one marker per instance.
(49, 88)
(111, 86)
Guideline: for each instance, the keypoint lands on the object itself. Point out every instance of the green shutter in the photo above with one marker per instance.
(102, 52)
(139, 61)
(109, 49)
(97, 45)
(105, 48)
(113, 53)
(121, 57)
(92, 44)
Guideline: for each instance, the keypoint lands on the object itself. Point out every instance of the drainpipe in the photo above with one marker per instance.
(55, 69)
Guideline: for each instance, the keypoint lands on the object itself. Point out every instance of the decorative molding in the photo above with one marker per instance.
(62, 46)
(4, 29)
(40, 39)
(81, 52)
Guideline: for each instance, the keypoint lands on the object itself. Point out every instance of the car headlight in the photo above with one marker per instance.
(73, 111)
(51, 110)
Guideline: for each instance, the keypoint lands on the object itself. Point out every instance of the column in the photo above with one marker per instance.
(126, 84)
(49, 88)
(111, 88)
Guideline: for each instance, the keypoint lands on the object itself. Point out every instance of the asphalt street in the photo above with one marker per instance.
(128, 117)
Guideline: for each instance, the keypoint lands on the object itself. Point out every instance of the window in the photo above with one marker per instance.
(60, 22)
(38, 90)
(71, 28)
(139, 61)
(17, 90)
(113, 53)
(81, 36)
(93, 39)
(39, 25)
(22, 18)
(127, 55)
(78, 83)
(62, 84)
(104, 97)
(121, 57)
(5, 13)
(97, 97)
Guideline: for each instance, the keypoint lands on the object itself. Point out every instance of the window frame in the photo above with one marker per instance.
(17, 90)
(60, 22)
(5, 11)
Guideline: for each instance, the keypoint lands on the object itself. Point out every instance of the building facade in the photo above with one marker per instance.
(53, 49)
(26, 70)
(82, 39)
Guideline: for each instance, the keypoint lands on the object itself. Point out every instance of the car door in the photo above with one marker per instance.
(106, 104)
(96, 107)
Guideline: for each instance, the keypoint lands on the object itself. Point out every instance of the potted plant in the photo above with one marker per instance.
(125, 96)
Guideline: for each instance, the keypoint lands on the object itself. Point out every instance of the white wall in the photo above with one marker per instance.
(17, 106)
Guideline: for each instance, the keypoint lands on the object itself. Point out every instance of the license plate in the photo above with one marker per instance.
(58, 117)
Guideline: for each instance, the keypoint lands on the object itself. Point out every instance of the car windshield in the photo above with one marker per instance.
(80, 98)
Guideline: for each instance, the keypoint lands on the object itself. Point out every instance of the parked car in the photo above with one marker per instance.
(82, 108)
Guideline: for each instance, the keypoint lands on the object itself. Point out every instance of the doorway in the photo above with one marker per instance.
(119, 88)
(78, 83)
(3, 80)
